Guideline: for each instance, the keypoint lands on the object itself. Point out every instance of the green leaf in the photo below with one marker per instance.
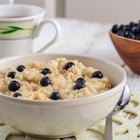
(15, 27)
(8, 31)
(11, 30)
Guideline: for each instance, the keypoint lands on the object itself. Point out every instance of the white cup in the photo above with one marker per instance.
(19, 26)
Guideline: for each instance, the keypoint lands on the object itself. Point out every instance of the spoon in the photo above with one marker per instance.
(123, 101)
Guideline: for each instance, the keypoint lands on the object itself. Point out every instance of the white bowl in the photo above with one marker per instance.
(62, 118)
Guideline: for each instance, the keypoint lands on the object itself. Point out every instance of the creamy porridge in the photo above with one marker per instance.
(57, 79)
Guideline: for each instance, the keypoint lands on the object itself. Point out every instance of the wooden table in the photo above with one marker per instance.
(90, 39)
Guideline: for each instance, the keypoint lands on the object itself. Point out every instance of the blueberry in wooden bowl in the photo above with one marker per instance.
(126, 39)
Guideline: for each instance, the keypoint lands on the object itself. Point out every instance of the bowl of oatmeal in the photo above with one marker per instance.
(57, 96)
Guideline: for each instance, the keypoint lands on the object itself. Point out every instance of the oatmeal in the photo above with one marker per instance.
(57, 79)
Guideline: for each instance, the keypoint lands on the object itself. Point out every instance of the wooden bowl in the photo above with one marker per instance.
(128, 49)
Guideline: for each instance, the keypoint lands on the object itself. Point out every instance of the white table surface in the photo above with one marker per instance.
(90, 39)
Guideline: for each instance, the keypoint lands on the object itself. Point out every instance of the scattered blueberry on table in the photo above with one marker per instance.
(14, 85)
(55, 95)
(69, 65)
(11, 74)
(131, 30)
(20, 68)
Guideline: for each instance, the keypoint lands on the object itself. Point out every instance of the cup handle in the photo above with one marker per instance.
(37, 31)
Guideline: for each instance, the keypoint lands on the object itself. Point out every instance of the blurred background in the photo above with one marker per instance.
(104, 11)
(114, 11)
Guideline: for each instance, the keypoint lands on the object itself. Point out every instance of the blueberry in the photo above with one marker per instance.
(69, 65)
(45, 81)
(80, 80)
(135, 30)
(11, 74)
(79, 85)
(138, 37)
(20, 68)
(131, 35)
(17, 94)
(121, 33)
(130, 30)
(121, 27)
(132, 24)
(55, 96)
(138, 28)
(126, 33)
(14, 85)
(115, 28)
(46, 71)
(97, 74)
(124, 28)
(127, 28)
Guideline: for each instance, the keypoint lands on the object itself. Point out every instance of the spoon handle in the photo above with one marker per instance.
(108, 128)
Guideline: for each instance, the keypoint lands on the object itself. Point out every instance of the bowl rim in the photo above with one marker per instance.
(35, 102)
(122, 37)
(24, 18)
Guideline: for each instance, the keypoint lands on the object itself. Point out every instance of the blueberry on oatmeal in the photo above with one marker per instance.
(20, 68)
(17, 94)
(45, 81)
(80, 83)
(69, 65)
(46, 71)
(80, 80)
(14, 85)
(53, 80)
(97, 74)
(55, 95)
(11, 74)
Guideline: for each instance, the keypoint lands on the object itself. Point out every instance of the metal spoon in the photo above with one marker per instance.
(123, 101)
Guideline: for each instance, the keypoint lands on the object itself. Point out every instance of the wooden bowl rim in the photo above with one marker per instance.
(124, 38)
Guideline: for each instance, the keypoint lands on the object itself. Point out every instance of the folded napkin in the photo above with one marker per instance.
(126, 124)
